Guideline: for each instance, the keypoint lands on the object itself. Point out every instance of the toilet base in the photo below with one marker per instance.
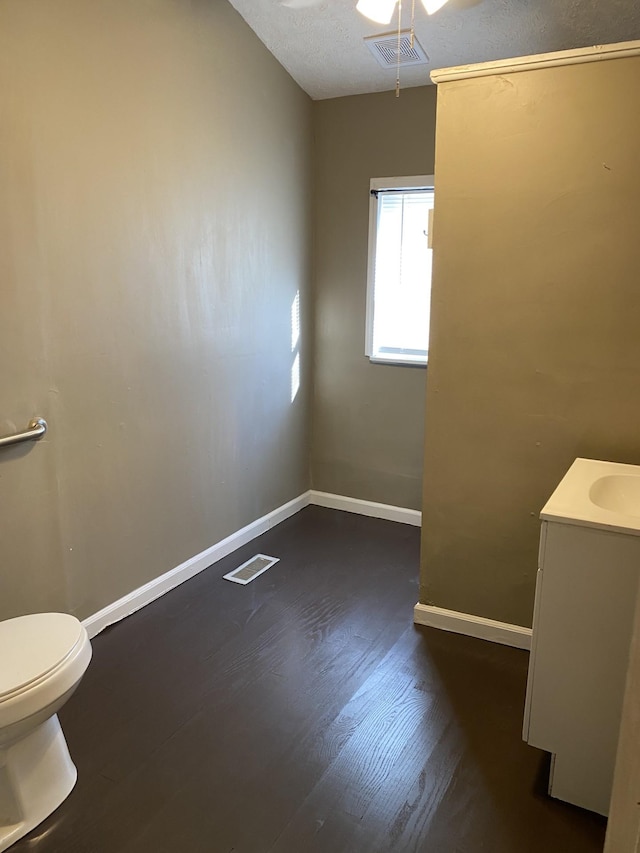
(36, 776)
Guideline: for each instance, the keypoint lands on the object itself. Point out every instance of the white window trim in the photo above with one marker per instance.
(396, 183)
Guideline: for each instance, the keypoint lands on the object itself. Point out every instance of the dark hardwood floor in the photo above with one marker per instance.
(305, 712)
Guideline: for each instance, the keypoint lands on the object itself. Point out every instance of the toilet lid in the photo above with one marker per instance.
(31, 646)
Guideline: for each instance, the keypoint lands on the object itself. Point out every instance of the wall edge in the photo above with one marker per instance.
(541, 60)
(143, 595)
(154, 589)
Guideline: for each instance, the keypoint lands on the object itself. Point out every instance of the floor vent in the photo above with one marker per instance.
(251, 569)
(385, 49)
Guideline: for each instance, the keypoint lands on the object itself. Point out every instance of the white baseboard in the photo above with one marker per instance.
(376, 510)
(159, 586)
(138, 598)
(472, 626)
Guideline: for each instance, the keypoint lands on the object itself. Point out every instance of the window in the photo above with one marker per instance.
(399, 271)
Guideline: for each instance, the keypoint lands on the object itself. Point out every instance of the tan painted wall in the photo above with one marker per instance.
(535, 318)
(154, 230)
(367, 418)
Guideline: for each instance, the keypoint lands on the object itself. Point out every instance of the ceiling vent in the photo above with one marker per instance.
(385, 49)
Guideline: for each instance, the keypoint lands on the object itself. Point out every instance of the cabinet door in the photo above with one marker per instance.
(582, 637)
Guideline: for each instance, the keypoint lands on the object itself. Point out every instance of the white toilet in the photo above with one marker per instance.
(42, 659)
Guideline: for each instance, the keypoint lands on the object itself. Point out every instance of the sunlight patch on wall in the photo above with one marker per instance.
(295, 321)
(295, 341)
(295, 377)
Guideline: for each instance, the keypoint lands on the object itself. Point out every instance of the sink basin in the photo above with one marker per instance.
(617, 493)
(598, 494)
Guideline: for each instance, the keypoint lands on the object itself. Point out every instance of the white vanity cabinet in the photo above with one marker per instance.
(588, 572)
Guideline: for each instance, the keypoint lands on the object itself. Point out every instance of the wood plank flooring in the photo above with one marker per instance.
(305, 712)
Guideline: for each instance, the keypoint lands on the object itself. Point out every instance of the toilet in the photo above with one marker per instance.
(42, 659)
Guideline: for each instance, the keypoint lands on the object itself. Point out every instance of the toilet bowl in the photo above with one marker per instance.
(42, 659)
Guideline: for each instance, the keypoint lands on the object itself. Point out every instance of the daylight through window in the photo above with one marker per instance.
(399, 276)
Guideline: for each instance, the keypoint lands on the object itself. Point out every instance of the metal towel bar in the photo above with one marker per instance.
(35, 430)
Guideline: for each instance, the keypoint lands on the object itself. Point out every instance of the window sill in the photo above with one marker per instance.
(396, 361)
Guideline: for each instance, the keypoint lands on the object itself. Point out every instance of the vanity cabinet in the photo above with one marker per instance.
(586, 591)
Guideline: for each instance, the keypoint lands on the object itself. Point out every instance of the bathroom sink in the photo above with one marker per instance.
(617, 493)
(599, 494)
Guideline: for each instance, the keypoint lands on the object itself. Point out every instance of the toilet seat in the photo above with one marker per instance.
(32, 646)
(43, 656)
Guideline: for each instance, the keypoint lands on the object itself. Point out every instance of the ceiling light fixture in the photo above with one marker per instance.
(381, 11)
(432, 6)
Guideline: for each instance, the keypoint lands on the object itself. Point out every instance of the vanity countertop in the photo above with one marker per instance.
(592, 493)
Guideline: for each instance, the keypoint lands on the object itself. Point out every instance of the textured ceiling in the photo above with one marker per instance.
(320, 42)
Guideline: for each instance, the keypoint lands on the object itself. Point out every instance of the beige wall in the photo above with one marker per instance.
(367, 418)
(154, 230)
(535, 353)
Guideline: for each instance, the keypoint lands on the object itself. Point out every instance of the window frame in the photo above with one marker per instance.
(410, 182)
